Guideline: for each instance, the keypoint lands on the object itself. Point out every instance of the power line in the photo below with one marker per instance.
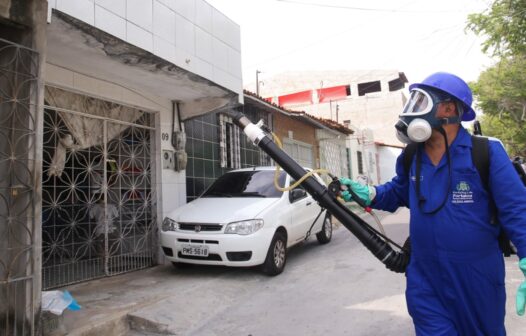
(393, 10)
(323, 39)
(327, 38)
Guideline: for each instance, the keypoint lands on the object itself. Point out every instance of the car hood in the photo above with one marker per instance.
(221, 210)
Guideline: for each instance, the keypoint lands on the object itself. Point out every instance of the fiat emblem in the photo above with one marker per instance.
(197, 228)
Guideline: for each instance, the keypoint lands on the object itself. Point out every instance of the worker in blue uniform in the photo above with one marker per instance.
(455, 278)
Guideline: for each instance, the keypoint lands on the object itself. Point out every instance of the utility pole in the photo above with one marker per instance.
(257, 81)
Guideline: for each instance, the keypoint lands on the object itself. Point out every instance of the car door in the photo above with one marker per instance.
(304, 210)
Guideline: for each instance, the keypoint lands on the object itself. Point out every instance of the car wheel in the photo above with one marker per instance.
(276, 255)
(325, 235)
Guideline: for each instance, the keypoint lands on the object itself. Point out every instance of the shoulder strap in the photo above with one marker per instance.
(480, 157)
(409, 153)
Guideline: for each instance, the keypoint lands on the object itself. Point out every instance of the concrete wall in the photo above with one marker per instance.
(188, 33)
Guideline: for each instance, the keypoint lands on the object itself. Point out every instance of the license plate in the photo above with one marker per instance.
(195, 250)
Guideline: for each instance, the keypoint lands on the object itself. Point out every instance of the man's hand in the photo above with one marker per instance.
(365, 192)
(521, 291)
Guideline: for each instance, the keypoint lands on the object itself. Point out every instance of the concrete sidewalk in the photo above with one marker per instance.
(109, 304)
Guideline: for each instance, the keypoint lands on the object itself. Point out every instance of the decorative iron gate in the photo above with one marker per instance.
(98, 203)
(18, 178)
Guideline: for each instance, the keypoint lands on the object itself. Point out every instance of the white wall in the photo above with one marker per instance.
(361, 141)
(387, 162)
(188, 33)
(333, 156)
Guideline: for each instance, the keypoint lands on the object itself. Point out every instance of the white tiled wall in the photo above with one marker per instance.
(140, 13)
(189, 33)
(203, 45)
(110, 22)
(115, 6)
(164, 24)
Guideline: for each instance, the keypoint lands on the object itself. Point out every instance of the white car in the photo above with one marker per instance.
(243, 220)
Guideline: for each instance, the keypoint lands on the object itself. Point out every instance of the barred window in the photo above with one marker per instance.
(360, 162)
(229, 143)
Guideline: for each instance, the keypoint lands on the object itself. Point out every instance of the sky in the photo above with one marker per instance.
(417, 37)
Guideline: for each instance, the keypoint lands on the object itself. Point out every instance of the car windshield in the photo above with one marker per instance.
(253, 183)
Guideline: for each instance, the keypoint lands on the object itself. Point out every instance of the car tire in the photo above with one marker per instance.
(276, 255)
(325, 235)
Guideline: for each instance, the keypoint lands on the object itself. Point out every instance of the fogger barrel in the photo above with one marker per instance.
(394, 260)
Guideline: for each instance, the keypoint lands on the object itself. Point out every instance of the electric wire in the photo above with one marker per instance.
(316, 4)
(325, 39)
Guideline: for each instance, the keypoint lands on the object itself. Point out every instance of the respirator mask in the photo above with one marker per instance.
(418, 118)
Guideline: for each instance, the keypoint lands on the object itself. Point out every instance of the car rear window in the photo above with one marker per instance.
(254, 183)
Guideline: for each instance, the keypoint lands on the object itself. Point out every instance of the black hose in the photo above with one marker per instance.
(396, 261)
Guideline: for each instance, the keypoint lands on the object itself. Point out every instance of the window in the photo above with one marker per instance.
(301, 152)
(229, 143)
(360, 162)
(396, 84)
(369, 87)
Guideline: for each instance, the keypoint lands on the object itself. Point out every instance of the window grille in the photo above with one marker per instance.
(229, 143)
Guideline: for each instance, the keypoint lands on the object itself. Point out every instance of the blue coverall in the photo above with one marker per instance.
(455, 279)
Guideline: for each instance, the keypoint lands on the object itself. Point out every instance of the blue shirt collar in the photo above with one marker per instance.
(463, 138)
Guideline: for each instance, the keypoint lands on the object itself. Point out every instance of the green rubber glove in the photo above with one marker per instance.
(363, 191)
(520, 302)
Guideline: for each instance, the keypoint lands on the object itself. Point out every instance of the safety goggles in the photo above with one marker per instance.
(421, 102)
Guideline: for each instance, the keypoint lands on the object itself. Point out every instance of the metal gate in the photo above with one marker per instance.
(19, 283)
(98, 202)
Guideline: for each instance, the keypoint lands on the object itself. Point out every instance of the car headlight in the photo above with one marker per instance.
(244, 227)
(169, 225)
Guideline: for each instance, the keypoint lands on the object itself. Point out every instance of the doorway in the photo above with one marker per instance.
(98, 195)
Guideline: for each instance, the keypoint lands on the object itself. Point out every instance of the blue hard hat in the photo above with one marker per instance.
(452, 85)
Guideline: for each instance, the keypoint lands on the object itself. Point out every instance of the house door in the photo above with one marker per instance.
(98, 210)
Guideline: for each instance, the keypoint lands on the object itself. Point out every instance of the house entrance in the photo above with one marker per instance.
(98, 203)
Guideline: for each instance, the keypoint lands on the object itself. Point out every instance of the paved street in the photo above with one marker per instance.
(335, 289)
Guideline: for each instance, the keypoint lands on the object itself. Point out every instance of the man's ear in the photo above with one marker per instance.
(451, 109)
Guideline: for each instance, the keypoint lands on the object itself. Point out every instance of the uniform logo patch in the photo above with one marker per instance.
(462, 194)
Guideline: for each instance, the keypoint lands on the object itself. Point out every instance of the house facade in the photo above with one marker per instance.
(94, 95)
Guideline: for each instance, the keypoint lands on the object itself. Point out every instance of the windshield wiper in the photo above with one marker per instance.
(250, 194)
(217, 193)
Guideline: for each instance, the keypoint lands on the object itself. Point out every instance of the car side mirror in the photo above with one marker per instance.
(296, 194)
